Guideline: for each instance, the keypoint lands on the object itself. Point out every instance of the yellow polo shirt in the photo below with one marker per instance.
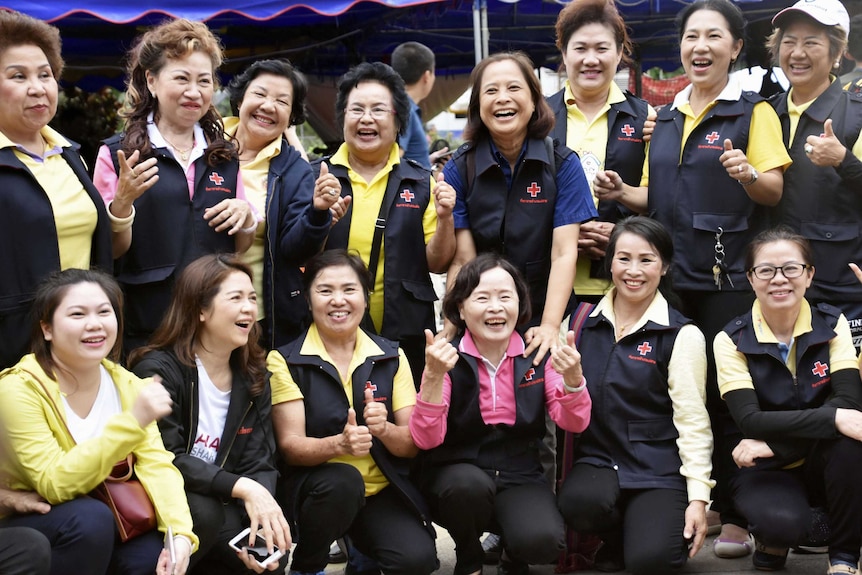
(367, 198)
(284, 389)
(589, 138)
(75, 214)
(254, 177)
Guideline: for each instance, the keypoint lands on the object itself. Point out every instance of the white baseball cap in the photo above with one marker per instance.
(827, 12)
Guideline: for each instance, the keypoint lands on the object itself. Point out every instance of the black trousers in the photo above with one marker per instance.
(467, 501)
(215, 524)
(24, 551)
(777, 502)
(711, 311)
(645, 524)
(329, 502)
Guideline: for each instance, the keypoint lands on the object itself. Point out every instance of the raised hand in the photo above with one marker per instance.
(375, 413)
(827, 149)
(153, 403)
(444, 197)
(327, 189)
(566, 360)
(355, 439)
(136, 177)
(735, 162)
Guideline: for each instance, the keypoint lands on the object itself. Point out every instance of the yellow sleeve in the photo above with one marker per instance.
(429, 218)
(283, 387)
(403, 392)
(731, 365)
(645, 173)
(687, 391)
(857, 147)
(49, 461)
(154, 467)
(766, 149)
(842, 354)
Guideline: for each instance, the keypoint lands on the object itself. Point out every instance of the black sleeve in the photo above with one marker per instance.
(815, 423)
(850, 169)
(846, 389)
(200, 476)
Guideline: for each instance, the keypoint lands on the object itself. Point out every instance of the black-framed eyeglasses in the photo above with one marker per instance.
(789, 270)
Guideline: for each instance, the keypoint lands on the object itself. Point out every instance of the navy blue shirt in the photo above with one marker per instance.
(414, 141)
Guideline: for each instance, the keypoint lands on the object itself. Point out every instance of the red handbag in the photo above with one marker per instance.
(127, 499)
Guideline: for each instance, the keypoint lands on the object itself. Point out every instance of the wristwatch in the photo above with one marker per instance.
(754, 176)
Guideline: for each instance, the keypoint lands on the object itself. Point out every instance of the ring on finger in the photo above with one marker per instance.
(808, 148)
(740, 169)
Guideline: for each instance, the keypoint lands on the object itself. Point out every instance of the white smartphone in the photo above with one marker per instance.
(172, 552)
(258, 551)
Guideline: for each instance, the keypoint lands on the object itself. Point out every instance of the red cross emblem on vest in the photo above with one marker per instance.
(820, 369)
(711, 138)
(371, 386)
(529, 375)
(534, 190)
(627, 130)
(644, 348)
(407, 196)
(216, 179)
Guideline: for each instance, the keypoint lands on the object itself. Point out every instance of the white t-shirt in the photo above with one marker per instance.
(212, 414)
(107, 404)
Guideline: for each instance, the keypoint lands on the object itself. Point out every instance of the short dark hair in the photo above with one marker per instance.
(731, 12)
(656, 235)
(382, 74)
(542, 121)
(778, 234)
(50, 294)
(468, 278)
(854, 40)
(18, 29)
(411, 60)
(576, 15)
(337, 258)
(238, 86)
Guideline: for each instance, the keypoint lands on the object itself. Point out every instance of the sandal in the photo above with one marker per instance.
(729, 549)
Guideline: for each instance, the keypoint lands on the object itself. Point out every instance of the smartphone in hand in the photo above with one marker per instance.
(172, 552)
(258, 551)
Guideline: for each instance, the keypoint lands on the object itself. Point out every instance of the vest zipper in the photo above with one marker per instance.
(192, 420)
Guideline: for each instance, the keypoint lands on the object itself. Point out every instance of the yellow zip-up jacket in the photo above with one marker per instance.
(47, 459)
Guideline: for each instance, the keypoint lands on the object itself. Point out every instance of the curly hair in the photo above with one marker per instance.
(171, 40)
(17, 29)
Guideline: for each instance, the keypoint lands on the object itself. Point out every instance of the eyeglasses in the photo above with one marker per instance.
(377, 113)
(790, 271)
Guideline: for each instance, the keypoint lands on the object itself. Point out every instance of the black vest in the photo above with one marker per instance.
(408, 295)
(326, 407)
(516, 222)
(508, 449)
(30, 250)
(625, 152)
(631, 426)
(695, 198)
(817, 202)
(774, 384)
(169, 233)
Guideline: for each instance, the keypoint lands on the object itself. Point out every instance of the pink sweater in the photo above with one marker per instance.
(571, 411)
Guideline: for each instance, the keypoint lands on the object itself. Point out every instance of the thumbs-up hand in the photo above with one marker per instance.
(826, 149)
(339, 208)
(444, 197)
(566, 361)
(375, 413)
(355, 439)
(735, 162)
(440, 356)
(327, 189)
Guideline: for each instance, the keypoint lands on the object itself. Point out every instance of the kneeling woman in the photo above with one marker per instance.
(641, 470)
(341, 402)
(220, 430)
(71, 414)
(788, 373)
(481, 413)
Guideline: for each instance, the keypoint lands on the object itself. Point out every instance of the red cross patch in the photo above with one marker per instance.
(371, 386)
(711, 138)
(627, 130)
(529, 375)
(407, 196)
(534, 190)
(644, 348)
(820, 369)
(216, 179)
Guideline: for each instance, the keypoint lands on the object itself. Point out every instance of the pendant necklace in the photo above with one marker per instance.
(184, 154)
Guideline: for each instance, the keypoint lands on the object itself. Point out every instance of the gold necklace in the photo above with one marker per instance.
(184, 154)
